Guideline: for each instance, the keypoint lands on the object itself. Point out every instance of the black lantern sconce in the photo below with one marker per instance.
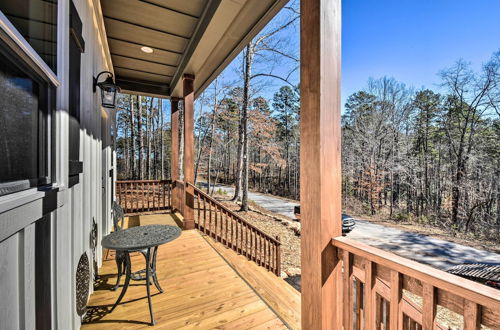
(108, 89)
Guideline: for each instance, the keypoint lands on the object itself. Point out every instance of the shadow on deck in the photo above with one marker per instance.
(203, 289)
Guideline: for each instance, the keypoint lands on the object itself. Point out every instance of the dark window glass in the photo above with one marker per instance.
(76, 48)
(24, 107)
(36, 20)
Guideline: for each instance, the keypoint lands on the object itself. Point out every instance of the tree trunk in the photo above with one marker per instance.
(244, 122)
(133, 165)
(141, 139)
(162, 143)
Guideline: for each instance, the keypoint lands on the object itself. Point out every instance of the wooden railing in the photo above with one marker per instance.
(385, 291)
(136, 196)
(178, 196)
(225, 226)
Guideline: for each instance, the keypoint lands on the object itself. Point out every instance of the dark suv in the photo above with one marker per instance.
(348, 222)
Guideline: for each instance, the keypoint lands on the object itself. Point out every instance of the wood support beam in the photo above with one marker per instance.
(174, 159)
(188, 92)
(320, 171)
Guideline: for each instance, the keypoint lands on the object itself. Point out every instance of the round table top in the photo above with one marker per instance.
(141, 237)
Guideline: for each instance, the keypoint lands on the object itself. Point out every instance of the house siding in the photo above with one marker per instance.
(69, 212)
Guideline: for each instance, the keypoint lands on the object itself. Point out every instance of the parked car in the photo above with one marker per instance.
(348, 222)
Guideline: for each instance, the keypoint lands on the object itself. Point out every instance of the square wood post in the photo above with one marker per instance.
(188, 92)
(320, 171)
(174, 159)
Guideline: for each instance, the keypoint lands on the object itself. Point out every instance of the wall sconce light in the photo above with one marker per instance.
(108, 89)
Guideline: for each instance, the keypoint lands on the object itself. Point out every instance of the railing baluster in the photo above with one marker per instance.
(231, 230)
(223, 215)
(220, 223)
(152, 192)
(238, 236)
(257, 248)
(205, 216)
(369, 295)
(133, 194)
(266, 256)
(347, 298)
(396, 295)
(359, 305)
(429, 306)
(252, 245)
(246, 241)
(261, 251)
(472, 315)
(210, 217)
(278, 257)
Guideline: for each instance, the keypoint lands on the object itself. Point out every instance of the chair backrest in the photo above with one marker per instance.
(118, 216)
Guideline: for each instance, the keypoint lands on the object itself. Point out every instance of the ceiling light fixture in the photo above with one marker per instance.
(147, 50)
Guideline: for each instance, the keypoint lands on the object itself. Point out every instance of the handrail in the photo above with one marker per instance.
(236, 233)
(385, 275)
(145, 181)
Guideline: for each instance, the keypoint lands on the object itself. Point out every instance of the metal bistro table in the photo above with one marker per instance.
(141, 238)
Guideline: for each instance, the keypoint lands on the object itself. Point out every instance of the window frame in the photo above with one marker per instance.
(14, 52)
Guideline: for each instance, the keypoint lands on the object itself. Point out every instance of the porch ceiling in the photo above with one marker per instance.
(199, 37)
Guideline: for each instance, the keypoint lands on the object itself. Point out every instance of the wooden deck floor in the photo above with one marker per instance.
(275, 291)
(201, 291)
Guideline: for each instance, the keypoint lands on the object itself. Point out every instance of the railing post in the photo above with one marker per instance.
(472, 315)
(188, 91)
(369, 293)
(429, 306)
(278, 256)
(347, 290)
(174, 159)
(396, 295)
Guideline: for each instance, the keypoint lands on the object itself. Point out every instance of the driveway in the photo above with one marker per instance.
(435, 252)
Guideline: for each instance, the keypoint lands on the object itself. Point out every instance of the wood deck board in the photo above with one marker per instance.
(201, 291)
(277, 293)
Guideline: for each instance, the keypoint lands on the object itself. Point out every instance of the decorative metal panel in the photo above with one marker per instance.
(82, 284)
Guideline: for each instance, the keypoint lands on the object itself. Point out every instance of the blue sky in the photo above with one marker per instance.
(412, 40)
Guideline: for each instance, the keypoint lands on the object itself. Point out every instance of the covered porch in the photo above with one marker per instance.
(345, 284)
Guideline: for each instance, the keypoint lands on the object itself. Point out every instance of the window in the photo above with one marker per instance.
(36, 20)
(25, 104)
(76, 48)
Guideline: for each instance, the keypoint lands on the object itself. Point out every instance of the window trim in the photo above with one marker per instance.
(16, 42)
(46, 123)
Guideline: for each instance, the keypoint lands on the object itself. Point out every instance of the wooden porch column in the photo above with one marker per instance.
(174, 159)
(320, 172)
(188, 92)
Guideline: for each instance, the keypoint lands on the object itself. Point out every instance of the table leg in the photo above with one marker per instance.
(127, 266)
(120, 260)
(153, 267)
(148, 271)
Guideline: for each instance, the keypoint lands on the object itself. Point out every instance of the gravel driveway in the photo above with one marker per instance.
(435, 252)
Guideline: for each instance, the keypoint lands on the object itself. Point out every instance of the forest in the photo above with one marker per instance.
(424, 155)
